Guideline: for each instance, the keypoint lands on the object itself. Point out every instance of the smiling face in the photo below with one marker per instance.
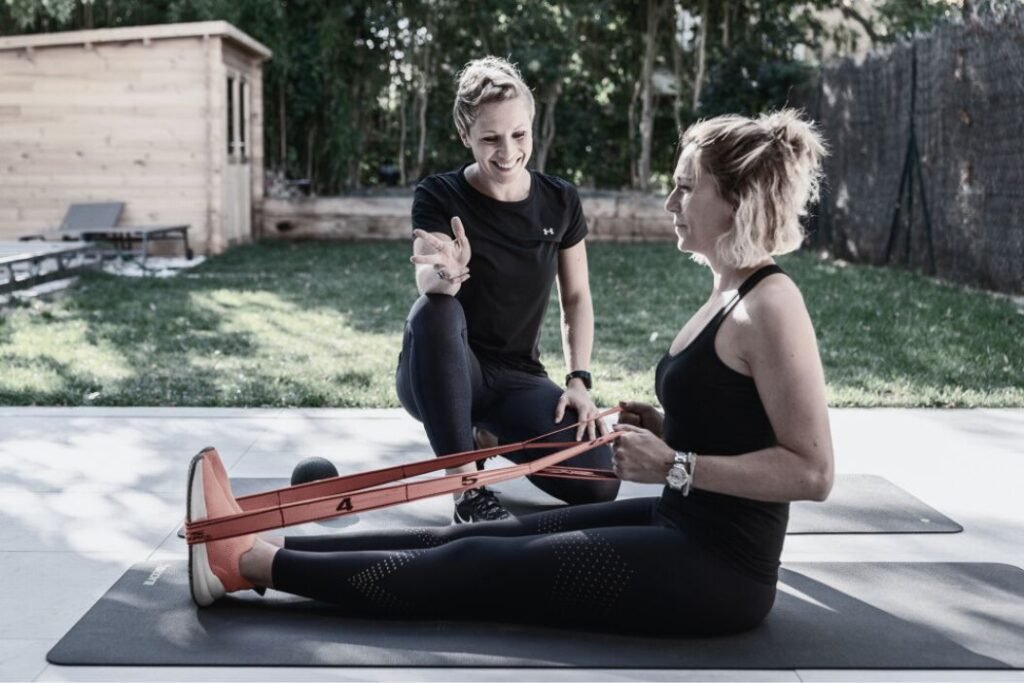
(501, 139)
(700, 215)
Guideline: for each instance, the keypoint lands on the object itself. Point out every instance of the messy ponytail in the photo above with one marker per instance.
(769, 170)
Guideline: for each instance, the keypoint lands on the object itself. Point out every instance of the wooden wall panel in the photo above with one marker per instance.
(116, 121)
(212, 239)
(140, 122)
(258, 179)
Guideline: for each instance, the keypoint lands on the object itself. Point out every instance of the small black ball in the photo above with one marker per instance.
(313, 469)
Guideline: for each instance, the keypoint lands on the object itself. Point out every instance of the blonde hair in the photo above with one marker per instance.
(769, 169)
(482, 81)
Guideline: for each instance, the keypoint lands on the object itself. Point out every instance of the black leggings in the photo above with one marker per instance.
(442, 384)
(615, 566)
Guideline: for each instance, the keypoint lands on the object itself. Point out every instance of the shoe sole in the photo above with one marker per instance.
(458, 519)
(203, 584)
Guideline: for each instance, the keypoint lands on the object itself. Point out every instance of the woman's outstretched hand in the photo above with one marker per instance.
(578, 398)
(641, 415)
(640, 456)
(450, 257)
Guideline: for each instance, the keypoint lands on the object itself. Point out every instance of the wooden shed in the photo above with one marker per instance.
(167, 118)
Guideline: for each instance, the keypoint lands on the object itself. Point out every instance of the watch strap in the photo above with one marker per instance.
(580, 375)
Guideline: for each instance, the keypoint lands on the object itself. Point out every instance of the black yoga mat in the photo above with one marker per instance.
(859, 504)
(827, 616)
(868, 504)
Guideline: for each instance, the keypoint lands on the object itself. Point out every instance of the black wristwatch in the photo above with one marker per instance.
(579, 374)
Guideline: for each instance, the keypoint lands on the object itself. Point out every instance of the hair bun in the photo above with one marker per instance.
(787, 125)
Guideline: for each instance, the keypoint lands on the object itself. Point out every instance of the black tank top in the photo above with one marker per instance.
(712, 409)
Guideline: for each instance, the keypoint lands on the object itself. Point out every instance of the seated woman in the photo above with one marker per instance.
(745, 431)
(490, 239)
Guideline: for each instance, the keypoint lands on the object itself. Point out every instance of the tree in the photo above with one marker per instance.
(354, 85)
(655, 13)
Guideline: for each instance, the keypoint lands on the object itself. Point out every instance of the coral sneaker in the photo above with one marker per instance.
(221, 473)
(213, 567)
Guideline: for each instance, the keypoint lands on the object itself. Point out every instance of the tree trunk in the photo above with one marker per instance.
(282, 122)
(677, 72)
(356, 160)
(310, 165)
(634, 176)
(401, 140)
(422, 99)
(725, 24)
(654, 12)
(357, 96)
(547, 126)
(552, 95)
(702, 51)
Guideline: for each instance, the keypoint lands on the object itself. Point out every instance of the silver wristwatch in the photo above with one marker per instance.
(680, 475)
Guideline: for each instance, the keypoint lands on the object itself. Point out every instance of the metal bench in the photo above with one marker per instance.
(97, 222)
(27, 264)
(123, 239)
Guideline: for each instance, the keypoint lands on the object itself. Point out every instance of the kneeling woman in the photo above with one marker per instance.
(745, 431)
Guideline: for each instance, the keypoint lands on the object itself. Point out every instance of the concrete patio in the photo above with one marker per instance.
(87, 492)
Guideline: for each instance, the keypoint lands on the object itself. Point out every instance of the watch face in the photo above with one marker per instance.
(676, 477)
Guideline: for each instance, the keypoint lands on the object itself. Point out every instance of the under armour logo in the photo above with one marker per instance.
(549, 231)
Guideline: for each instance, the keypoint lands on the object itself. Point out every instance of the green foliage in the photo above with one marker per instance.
(23, 14)
(320, 324)
(770, 81)
(345, 75)
(903, 17)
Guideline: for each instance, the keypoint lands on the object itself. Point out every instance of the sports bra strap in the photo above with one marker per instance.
(749, 284)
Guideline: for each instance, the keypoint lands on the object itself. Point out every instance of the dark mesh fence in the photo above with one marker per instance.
(969, 127)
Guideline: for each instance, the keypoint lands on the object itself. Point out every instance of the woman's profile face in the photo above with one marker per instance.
(501, 140)
(700, 215)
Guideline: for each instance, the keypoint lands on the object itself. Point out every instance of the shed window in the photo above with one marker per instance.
(230, 99)
(243, 113)
(237, 110)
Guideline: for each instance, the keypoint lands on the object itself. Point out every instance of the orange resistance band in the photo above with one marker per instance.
(354, 493)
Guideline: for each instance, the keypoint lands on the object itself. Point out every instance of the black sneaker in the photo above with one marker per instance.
(479, 505)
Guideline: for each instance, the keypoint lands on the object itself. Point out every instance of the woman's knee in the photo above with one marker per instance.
(580, 492)
(435, 314)
(596, 491)
(599, 492)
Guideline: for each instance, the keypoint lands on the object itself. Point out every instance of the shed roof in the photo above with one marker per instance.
(132, 33)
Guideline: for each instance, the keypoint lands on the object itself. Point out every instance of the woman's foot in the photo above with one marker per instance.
(214, 566)
(221, 473)
(257, 564)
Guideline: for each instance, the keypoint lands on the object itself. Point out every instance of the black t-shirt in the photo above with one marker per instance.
(514, 259)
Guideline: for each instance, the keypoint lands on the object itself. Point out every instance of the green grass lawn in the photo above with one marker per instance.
(319, 324)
